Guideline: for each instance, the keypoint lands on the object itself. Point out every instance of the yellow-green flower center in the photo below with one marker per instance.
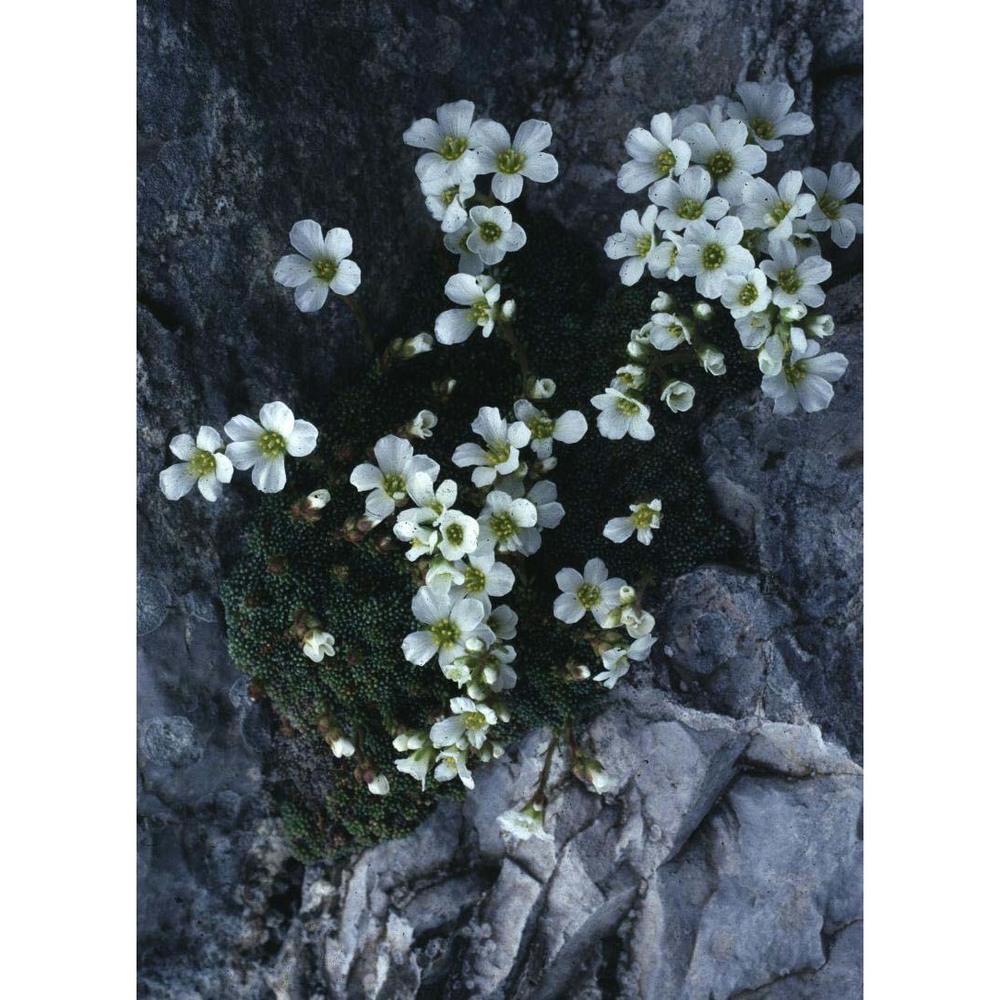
(202, 463)
(498, 454)
(789, 280)
(690, 209)
(762, 128)
(481, 312)
(395, 485)
(627, 406)
(748, 294)
(453, 147)
(448, 195)
(720, 163)
(455, 533)
(666, 162)
(503, 526)
(589, 595)
(510, 161)
(475, 580)
(445, 633)
(474, 721)
(490, 231)
(643, 517)
(830, 207)
(713, 256)
(795, 373)
(643, 245)
(271, 444)
(541, 426)
(325, 270)
(779, 210)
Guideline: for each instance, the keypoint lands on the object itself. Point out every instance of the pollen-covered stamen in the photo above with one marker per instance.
(830, 206)
(510, 161)
(202, 463)
(498, 454)
(666, 162)
(762, 128)
(325, 270)
(643, 245)
(453, 147)
(395, 485)
(720, 164)
(475, 580)
(713, 256)
(779, 210)
(627, 406)
(503, 526)
(448, 195)
(748, 294)
(481, 311)
(643, 517)
(690, 209)
(474, 721)
(589, 595)
(789, 280)
(455, 534)
(541, 426)
(445, 633)
(271, 444)
(490, 231)
(795, 372)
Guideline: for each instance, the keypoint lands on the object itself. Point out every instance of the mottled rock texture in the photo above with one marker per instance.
(724, 862)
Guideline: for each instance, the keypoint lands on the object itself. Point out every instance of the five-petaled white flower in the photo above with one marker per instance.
(320, 266)
(446, 200)
(318, 644)
(503, 444)
(643, 519)
(510, 162)
(665, 331)
(686, 200)
(590, 591)
(485, 577)
(763, 107)
(711, 253)
(830, 212)
(621, 415)
(639, 244)
(797, 281)
(450, 142)
(453, 621)
(264, 446)
(451, 763)
(459, 535)
(726, 156)
(655, 153)
(616, 660)
(743, 294)
(201, 463)
(394, 477)
(804, 380)
(504, 520)
(678, 395)
(775, 209)
(494, 233)
(470, 720)
(568, 428)
(478, 297)
(523, 824)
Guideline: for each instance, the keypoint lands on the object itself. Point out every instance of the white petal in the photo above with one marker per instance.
(618, 529)
(507, 187)
(392, 453)
(469, 454)
(814, 393)
(242, 428)
(223, 468)
(307, 237)
(632, 270)
(569, 580)
(277, 417)
(454, 326)
(302, 439)
(347, 278)
(532, 136)
(490, 135)
(568, 609)
(338, 244)
(210, 487)
(424, 134)
(366, 477)
(379, 505)
(209, 439)
(467, 614)
(634, 176)
(177, 480)
(243, 454)
(311, 295)
(269, 474)
(419, 647)
(642, 145)
(456, 118)
(183, 446)
(292, 271)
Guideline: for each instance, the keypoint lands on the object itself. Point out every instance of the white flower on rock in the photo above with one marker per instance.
(503, 521)
(470, 720)
(763, 107)
(453, 621)
(644, 518)
(478, 297)
(318, 644)
(621, 415)
(388, 483)
(320, 266)
(451, 763)
(523, 824)
(830, 211)
(743, 294)
(616, 660)
(445, 200)
(590, 591)
(804, 380)
(494, 233)
(755, 328)
(710, 254)
(568, 428)
(417, 764)
(450, 142)
(686, 200)
(726, 156)
(796, 281)
(510, 162)
(775, 210)
(655, 153)
(263, 446)
(678, 395)
(503, 443)
(634, 243)
(201, 464)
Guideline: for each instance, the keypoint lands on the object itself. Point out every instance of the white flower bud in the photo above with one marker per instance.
(547, 464)
(819, 326)
(318, 499)
(792, 314)
(712, 360)
(662, 303)
(419, 344)
(679, 396)
(702, 311)
(509, 310)
(636, 349)
(420, 426)
(318, 644)
(379, 785)
(626, 595)
(342, 747)
(540, 388)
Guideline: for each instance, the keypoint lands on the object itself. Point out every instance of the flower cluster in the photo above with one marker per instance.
(750, 244)
(261, 447)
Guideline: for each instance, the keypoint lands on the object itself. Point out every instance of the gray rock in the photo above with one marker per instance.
(169, 740)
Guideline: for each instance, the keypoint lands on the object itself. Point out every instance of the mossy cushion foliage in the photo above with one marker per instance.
(294, 571)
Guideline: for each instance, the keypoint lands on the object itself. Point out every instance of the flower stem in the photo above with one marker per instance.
(359, 315)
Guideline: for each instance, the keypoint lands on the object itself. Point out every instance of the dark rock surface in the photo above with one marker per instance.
(728, 865)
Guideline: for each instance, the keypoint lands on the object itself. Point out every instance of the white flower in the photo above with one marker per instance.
(663, 302)
(637, 623)
(417, 764)
(726, 156)
(485, 577)
(470, 720)
(503, 520)
(550, 515)
(422, 538)
(710, 254)
(457, 242)
(667, 331)
(775, 210)
(755, 328)
(771, 356)
(629, 377)
(320, 265)
(452, 620)
(459, 535)
(621, 415)
(712, 114)
(494, 233)
(592, 591)
(541, 388)
(432, 503)
(804, 380)
(643, 519)
(797, 281)
(678, 395)
(635, 241)
(419, 344)
(379, 785)
(388, 484)
(830, 212)
(264, 446)
(616, 660)
(568, 428)
(503, 444)
(764, 109)
(342, 746)
(510, 162)
(445, 200)
(479, 296)
(712, 359)
(743, 294)
(523, 824)
(450, 141)
(686, 200)
(318, 644)
(421, 425)
(452, 762)
(201, 463)
(819, 326)
(655, 154)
